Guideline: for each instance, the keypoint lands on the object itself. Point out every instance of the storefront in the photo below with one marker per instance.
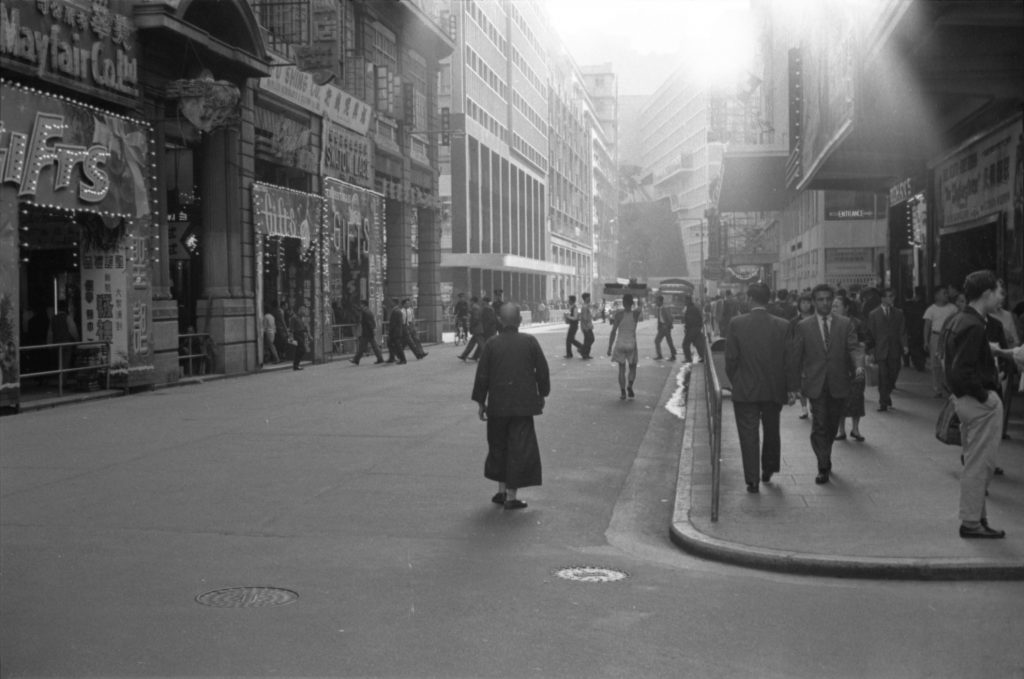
(75, 244)
(978, 198)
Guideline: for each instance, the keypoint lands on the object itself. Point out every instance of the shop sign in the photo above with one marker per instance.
(329, 101)
(286, 213)
(89, 46)
(285, 139)
(977, 181)
(73, 156)
(355, 255)
(847, 261)
(346, 156)
(901, 193)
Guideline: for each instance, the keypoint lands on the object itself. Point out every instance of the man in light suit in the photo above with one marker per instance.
(887, 341)
(824, 349)
(755, 355)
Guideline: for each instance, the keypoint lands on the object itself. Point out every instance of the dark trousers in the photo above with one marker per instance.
(888, 371)
(365, 343)
(298, 351)
(395, 349)
(664, 333)
(826, 413)
(475, 342)
(751, 417)
(411, 339)
(570, 340)
(695, 339)
(588, 341)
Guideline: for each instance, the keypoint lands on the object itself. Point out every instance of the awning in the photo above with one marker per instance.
(754, 181)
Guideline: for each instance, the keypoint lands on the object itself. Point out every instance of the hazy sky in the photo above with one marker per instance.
(646, 39)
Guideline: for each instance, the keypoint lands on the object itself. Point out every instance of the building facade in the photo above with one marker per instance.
(602, 87)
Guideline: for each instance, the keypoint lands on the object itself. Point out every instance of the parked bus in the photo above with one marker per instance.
(674, 290)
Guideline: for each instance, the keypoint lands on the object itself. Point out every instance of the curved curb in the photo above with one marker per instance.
(691, 539)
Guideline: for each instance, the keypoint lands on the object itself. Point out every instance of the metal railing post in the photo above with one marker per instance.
(713, 394)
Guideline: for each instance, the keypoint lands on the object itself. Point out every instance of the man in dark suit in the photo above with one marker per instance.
(512, 381)
(886, 341)
(693, 330)
(755, 355)
(824, 349)
(396, 332)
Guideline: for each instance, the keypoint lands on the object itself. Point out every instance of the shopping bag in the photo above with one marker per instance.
(947, 428)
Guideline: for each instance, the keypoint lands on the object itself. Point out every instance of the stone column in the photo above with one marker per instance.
(429, 273)
(165, 307)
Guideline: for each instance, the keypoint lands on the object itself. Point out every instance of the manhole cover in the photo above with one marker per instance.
(247, 597)
(591, 574)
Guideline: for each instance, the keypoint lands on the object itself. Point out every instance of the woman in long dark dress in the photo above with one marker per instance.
(854, 408)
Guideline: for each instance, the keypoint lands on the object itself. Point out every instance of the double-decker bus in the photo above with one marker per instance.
(673, 290)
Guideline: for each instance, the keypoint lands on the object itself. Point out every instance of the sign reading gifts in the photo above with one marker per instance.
(71, 156)
(287, 213)
(85, 44)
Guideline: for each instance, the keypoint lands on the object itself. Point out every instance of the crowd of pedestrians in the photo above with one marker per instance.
(823, 347)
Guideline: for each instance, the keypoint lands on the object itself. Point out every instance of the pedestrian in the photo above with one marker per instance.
(476, 329)
(300, 336)
(1002, 331)
(489, 321)
(512, 381)
(664, 316)
(973, 378)
(269, 335)
(913, 315)
(755, 361)
(572, 317)
(496, 306)
(586, 326)
(410, 337)
(460, 310)
(693, 330)
(935, 317)
(622, 345)
(396, 334)
(822, 350)
(367, 334)
(730, 308)
(854, 408)
(805, 309)
(886, 335)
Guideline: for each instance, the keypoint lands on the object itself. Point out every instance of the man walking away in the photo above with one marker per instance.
(935, 318)
(572, 317)
(512, 381)
(886, 341)
(587, 326)
(755, 355)
(367, 334)
(476, 329)
(664, 329)
(822, 349)
(972, 376)
(730, 308)
(693, 330)
(396, 333)
(411, 337)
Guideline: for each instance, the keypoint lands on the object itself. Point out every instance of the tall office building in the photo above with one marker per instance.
(602, 88)
(494, 180)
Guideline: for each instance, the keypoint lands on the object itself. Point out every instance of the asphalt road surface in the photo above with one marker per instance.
(360, 490)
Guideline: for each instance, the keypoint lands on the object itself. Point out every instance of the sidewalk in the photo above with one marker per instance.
(890, 510)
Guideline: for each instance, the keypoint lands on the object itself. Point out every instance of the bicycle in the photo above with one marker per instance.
(461, 330)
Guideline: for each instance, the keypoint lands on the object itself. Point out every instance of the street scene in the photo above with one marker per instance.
(496, 338)
(363, 494)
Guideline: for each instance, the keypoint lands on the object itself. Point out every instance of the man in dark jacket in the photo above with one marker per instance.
(476, 330)
(396, 332)
(693, 330)
(664, 316)
(887, 342)
(755, 361)
(973, 378)
(367, 334)
(512, 381)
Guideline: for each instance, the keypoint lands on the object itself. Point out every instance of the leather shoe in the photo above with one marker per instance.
(857, 437)
(515, 504)
(882, 409)
(981, 531)
(766, 476)
(752, 488)
(498, 499)
(821, 478)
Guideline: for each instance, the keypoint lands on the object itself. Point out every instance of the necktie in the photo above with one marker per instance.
(825, 320)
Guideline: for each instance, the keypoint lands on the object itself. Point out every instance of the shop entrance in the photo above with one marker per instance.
(184, 233)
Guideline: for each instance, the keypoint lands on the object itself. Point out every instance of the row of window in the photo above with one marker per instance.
(524, 68)
(524, 148)
(519, 20)
(481, 68)
(478, 114)
(489, 28)
(530, 114)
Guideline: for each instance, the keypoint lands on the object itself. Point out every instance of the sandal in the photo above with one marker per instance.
(515, 504)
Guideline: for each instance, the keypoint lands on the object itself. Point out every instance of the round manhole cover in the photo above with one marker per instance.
(591, 574)
(247, 597)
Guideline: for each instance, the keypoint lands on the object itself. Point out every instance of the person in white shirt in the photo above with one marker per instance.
(411, 338)
(269, 335)
(935, 318)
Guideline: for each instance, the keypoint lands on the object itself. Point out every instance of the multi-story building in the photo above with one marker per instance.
(496, 89)
(602, 86)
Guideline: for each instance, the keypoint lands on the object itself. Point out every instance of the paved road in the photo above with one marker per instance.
(361, 490)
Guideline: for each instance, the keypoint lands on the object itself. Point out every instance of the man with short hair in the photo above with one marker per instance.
(476, 330)
(664, 316)
(587, 326)
(367, 334)
(973, 378)
(512, 381)
(821, 352)
(572, 317)
(887, 342)
(693, 330)
(396, 333)
(755, 361)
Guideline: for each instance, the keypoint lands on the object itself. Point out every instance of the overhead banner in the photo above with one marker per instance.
(72, 156)
(286, 213)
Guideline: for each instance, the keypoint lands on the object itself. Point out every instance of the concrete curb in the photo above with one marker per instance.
(688, 537)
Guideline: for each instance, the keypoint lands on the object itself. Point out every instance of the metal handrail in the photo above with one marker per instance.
(341, 333)
(61, 370)
(713, 395)
(193, 337)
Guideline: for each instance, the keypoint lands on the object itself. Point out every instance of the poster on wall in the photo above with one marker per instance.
(977, 181)
(353, 250)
